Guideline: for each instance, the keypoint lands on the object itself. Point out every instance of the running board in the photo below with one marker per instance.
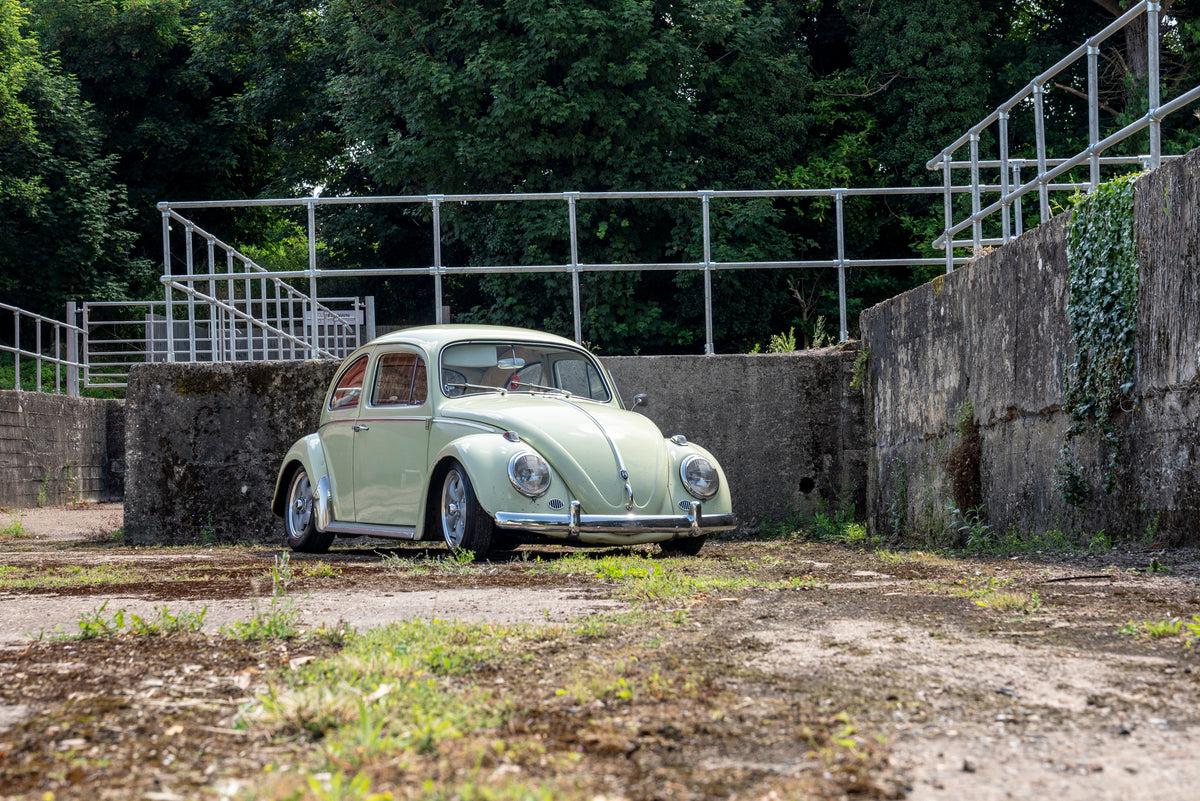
(369, 530)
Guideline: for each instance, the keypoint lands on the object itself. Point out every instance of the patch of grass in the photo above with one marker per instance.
(15, 527)
(1010, 602)
(322, 570)
(93, 625)
(914, 557)
(280, 621)
(640, 578)
(455, 563)
(1160, 629)
(15, 577)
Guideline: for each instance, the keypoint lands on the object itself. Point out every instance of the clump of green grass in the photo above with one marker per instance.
(94, 625)
(1161, 629)
(15, 527)
(1023, 603)
(281, 619)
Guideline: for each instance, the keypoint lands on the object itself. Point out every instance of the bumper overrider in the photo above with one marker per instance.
(574, 523)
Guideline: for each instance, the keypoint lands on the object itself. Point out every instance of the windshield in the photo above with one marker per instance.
(469, 368)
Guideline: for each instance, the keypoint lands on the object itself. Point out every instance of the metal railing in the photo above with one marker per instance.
(438, 270)
(1011, 189)
(54, 341)
(245, 304)
(120, 334)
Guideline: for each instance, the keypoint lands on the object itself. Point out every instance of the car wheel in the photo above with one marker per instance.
(300, 517)
(465, 526)
(687, 546)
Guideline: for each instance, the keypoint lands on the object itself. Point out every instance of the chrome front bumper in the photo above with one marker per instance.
(574, 523)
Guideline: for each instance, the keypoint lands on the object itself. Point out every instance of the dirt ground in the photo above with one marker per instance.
(947, 698)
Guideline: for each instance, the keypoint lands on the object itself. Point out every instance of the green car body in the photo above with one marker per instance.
(487, 437)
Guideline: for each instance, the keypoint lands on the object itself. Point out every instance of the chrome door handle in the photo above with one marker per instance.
(361, 427)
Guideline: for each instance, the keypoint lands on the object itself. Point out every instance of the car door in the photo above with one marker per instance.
(338, 435)
(391, 446)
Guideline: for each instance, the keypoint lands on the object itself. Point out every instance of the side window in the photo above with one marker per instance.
(349, 386)
(400, 380)
(580, 378)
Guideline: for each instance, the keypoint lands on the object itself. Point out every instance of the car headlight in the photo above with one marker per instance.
(529, 473)
(699, 477)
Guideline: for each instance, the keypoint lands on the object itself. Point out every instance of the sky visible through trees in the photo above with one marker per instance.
(109, 106)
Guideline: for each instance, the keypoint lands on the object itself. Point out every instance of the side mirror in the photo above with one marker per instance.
(640, 399)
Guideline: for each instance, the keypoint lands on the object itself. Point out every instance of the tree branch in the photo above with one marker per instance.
(1077, 93)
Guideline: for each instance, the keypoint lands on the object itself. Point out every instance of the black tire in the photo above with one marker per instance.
(465, 525)
(687, 546)
(300, 518)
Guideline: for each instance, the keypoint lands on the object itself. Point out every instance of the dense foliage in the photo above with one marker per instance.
(1102, 260)
(109, 106)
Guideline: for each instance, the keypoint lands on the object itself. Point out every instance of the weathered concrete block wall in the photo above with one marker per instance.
(787, 428)
(55, 449)
(205, 440)
(996, 335)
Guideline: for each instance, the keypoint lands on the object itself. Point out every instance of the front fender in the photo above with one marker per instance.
(485, 458)
(306, 453)
(722, 502)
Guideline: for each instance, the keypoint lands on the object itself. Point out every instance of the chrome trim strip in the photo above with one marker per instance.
(574, 524)
(467, 423)
(373, 530)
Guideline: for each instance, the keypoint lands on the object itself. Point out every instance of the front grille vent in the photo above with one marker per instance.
(555, 504)
(685, 506)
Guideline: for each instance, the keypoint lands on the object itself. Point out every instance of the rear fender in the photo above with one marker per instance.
(306, 453)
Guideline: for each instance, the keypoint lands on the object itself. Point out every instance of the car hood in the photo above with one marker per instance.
(578, 439)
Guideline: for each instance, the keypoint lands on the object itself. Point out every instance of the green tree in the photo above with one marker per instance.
(63, 218)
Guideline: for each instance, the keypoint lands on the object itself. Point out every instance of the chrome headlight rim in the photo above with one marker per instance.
(518, 484)
(703, 493)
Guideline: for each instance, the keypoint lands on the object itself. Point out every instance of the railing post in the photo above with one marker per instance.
(976, 223)
(1093, 67)
(839, 198)
(311, 339)
(16, 350)
(212, 293)
(1006, 207)
(1018, 218)
(576, 310)
(1152, 66)
(169, 310)
(705, 195)
(435, 202)
(1039, 104)
(191, 301)
(948, 210)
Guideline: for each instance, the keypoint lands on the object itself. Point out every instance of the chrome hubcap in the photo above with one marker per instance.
(453, 524)
(300, 513)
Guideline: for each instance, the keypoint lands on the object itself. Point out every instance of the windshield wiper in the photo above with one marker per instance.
(555, 390)
(501, 390)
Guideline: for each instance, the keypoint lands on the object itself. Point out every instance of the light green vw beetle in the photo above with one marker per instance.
(489, 437)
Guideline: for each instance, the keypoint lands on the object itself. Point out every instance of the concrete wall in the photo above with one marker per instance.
(995, 334)
(55, 449)
(205, 441)
(787, 428)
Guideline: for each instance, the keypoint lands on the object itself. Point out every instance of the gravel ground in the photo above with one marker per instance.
(960, 701)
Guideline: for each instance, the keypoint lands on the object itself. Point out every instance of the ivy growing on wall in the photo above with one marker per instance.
(1102, 263)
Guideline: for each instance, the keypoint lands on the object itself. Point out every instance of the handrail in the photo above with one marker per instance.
(64, 333)
(1048, 168)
